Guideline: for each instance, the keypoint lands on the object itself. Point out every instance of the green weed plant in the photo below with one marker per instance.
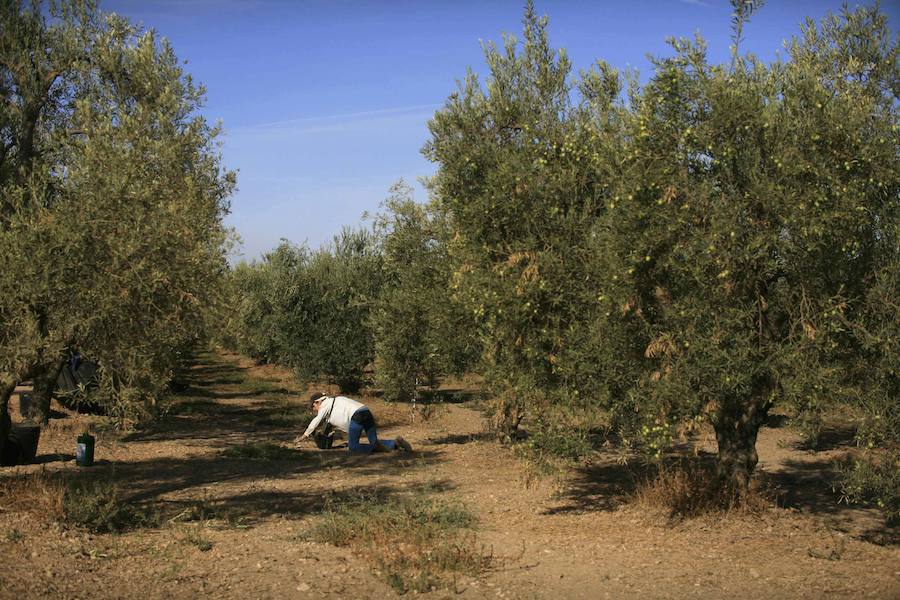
(417, 543)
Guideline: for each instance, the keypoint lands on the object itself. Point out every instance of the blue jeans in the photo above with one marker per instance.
(362, 420)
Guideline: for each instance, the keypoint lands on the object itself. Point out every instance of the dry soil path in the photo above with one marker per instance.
(243, 524)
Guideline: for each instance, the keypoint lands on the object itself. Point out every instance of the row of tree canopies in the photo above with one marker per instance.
(710, 245)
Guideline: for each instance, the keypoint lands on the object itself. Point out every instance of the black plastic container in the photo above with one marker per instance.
(21, 445)
(25, 405)
(84, 450)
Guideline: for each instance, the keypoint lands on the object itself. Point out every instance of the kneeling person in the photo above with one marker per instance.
(353, 418)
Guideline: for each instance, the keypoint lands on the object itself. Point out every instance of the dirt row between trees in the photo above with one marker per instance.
(236, 506)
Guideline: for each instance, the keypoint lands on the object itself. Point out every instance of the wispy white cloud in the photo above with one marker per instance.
(696, 3)
(326, 122)
(363, 122)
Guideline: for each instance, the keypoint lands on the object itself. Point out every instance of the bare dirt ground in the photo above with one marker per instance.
(574, 535)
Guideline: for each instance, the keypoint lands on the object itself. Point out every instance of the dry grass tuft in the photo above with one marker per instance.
(418, 543)
(40, 493)
(98, 506)
(690, 488)
(87, 503)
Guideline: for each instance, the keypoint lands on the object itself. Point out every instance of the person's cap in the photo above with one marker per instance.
(316, 396)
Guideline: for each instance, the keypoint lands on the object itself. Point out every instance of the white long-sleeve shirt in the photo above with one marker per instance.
(341, 407)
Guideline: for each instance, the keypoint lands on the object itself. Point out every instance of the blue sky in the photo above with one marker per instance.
(325, 103)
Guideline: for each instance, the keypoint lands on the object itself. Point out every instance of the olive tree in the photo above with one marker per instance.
(346, 279)
(421, 331)
(524, 164)
(758, 207)
(271, 309)
(720, 240)
(310, 309)
(111, 206)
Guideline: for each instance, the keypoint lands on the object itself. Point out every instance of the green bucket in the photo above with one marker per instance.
(84, 450)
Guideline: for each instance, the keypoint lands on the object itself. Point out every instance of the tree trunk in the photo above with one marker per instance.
(6, 390)
(737, 424)
(44, 379)
(508, 414)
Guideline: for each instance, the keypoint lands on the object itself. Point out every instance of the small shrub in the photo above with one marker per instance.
(554, 442)
(809, 424)
(194, 536)
(558, 441)
(874, 478)
(419, 541)
(426, 411)
(97, 505)
(690, 489)
(880, 427)
(93, 504)
(503, 415)
(13, 536)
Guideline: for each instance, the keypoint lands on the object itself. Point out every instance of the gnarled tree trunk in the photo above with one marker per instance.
(737, 423)
(6, 390)
(44, 379)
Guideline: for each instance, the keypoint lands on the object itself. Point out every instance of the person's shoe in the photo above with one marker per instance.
(403, 444)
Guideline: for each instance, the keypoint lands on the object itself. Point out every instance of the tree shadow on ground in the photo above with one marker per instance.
(466, 438)
(214, 382)
(831, 438)
(197, 392)
(247, 508)
(604, 485)
(244, 507)
(812, 487)
(151, 478)
(195, 379)
(212, 373)
(804, 485)
(43, 459)
(243, 467)
(197, 419)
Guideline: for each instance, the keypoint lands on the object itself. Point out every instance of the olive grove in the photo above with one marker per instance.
(371, 298)
(309, 309)
(706, 246)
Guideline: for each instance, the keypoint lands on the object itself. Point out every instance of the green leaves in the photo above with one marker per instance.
(111, 218)
(377, 296)
(310, 310)
(422, 331)
(522, 177)
(740, 212)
